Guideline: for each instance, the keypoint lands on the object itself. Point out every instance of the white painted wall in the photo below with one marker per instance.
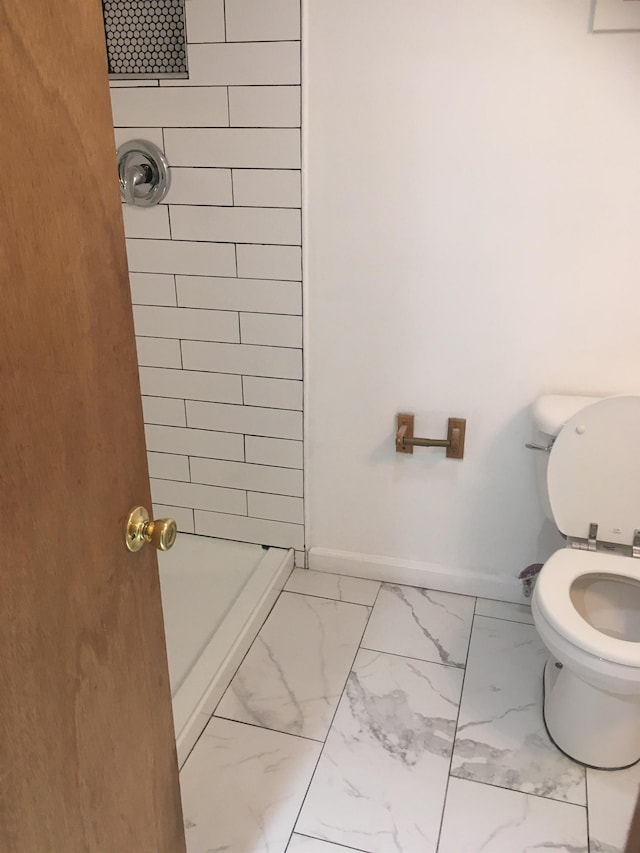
(472, 232)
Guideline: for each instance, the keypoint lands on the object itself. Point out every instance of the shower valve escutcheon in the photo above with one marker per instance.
(144, 173)
(454, 442)
(161, 533)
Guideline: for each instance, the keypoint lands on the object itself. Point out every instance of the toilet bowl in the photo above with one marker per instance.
(586, 604)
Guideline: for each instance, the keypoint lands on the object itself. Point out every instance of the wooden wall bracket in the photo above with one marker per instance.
(454, 442)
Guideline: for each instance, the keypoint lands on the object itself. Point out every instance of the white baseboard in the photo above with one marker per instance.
(413, 573)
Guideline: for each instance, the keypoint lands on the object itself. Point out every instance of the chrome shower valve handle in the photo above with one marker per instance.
(144, 173)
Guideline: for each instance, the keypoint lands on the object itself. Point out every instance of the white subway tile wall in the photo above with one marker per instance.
(216, 276)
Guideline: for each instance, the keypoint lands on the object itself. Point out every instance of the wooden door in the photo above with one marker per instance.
(87, 752)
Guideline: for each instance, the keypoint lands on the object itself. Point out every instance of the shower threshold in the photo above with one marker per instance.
(215, 596)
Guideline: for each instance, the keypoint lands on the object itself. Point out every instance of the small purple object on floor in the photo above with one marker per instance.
(528, 577)
(531, 571)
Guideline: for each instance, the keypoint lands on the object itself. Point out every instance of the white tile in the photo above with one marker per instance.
(263, 20)
(611, 798)
(274, 423)
(501, 738)
(280, 262)
(295, 671)
(205, 20)
(240, 294)
(242, 788)
(237, 224)
(162, 410)
(280, 534)
(168, 466)
(248, 64)
(271, 330)
(182, 516)
(189, 323)
(306, 844)
(494, 820)
(267, 187)
(264, 106)
(232, 147)
(241, 358)
(340, 587)
(199, 497)
(274, 451)
(174, 256)
(198, 106)
(158, 352)
(240, 475)
(146, 221)
(275, 507)
(300, 558)
(504, 610)
(195, 442)
(191, 385)
(421, 623)
(199, 186)
(126, 134)
(272, 393)
(380, 783)
(152, 288)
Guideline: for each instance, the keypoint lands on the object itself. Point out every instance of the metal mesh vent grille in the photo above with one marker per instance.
(145, 38)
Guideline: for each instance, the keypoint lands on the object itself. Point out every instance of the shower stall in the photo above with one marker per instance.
(206, 109)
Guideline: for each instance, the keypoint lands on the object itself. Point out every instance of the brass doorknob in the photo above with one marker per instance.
(161, 533)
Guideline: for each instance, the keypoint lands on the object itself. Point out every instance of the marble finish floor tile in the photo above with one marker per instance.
(611, 795)
(504, 610)
(294, 673)
(501, 739)
(421, 623)
(242, 787)
(381, 780)
(339, 587)
(494, 820)
(306, 844)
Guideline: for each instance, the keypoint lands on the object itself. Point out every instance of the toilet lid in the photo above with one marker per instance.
(594, 471)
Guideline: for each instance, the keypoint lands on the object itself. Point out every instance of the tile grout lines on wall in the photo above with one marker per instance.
(229, 230)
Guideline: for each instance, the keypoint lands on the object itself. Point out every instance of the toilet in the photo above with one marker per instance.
(586, 603)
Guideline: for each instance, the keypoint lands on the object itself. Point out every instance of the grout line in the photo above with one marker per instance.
(242, 406)
(328, 598)
(459, 668)
(328, 843)
(334, 716)
(455, 730)
(518, 791)
(257, 725)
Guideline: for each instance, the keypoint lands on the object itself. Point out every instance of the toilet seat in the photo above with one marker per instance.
(553, 595)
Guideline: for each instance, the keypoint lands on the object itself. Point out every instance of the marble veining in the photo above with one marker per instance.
(405, 754)
(381, 780)
(501, 738)
(421, 623)
(295, 671)
(494, 820)
(242, 787)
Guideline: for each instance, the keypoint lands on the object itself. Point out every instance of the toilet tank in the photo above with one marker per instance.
(549, 414)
